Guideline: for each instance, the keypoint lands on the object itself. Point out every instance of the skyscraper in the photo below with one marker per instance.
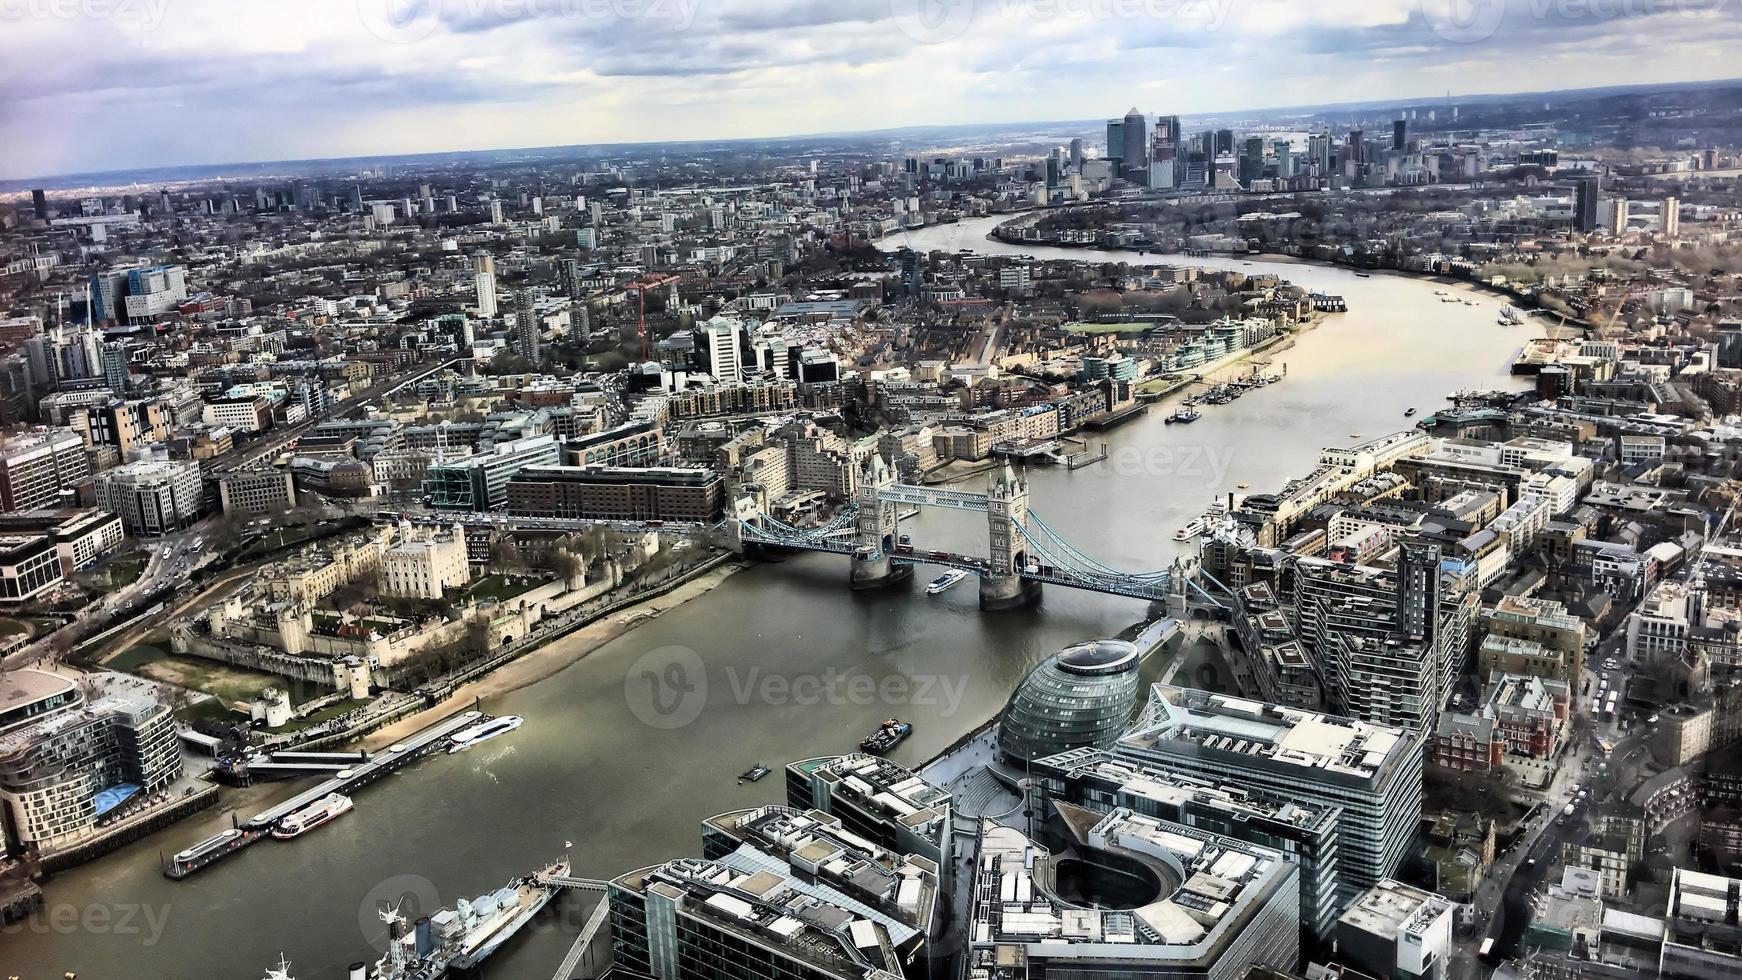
(115, 367)
(1115, 140)
(1135, 132)
(1399, 135)
(1418, 588)
(1252, 159)
(1672, 218)
(580, 323)
(526, 325)
(1586, 190)
(485, 284)
(1319, 153)
(720, 338)
(39, 201)
(1077, 153)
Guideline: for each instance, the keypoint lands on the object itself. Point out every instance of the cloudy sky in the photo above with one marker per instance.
(89, 85)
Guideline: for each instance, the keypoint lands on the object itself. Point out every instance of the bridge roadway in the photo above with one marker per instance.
(572, 961)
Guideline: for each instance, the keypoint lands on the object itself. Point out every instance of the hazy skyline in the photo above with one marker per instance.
(97, 85)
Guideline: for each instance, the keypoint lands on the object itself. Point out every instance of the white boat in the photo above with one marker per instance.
(329, 807)
(1193, 528)
(207, 846)
(945, 581)
(484, 731)
(281, 971)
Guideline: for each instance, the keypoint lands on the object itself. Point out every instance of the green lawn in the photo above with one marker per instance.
(1156, 384)
(233, 684)
(499, 588)
(209, 709)
(330, 711)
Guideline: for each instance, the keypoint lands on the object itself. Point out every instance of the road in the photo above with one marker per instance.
(173, 559)
(1504, 900)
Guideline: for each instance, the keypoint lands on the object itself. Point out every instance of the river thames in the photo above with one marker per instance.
(793, 665)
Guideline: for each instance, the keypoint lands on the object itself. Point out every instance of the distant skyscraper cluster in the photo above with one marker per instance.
(1160, 155)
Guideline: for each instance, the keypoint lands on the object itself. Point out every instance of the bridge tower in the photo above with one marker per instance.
(876, 531)
(1002, 587)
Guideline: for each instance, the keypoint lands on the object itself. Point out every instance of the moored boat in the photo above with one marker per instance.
(460, 938)
(327, 808)
(887, 736)
(483, 732)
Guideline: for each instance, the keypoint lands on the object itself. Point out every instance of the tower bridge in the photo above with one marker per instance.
(1023, 554)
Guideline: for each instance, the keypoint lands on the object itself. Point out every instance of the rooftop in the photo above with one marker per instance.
(1392, 907)
(1219, 724)
(1214, 889)
(25, 686)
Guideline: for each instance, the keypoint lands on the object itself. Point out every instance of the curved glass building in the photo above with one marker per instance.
(1081, 696)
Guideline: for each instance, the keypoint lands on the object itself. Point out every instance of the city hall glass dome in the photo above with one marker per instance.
(1081, 696)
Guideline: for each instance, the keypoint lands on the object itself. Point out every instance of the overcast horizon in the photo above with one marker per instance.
(105, 85)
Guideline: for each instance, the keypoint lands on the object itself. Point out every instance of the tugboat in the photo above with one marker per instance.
(887, 736)
(752, 774)
(1188, 416)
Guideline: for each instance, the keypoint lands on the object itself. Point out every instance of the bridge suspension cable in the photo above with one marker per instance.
(1053, 545)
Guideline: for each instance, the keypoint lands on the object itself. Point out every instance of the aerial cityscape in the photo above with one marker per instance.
(888, 490)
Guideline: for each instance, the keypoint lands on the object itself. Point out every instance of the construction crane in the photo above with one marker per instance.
(641, 286)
